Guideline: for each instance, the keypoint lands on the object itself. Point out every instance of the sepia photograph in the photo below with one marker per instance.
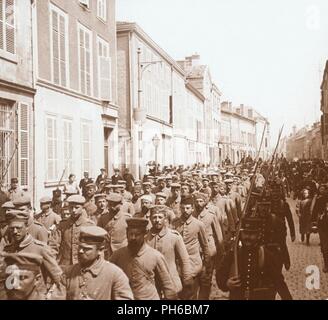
(169, 150)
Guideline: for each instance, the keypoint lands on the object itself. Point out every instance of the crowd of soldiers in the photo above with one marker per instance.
(165, 237)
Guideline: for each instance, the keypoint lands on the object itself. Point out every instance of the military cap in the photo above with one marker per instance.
(175, 185)
(109, 186)
(187, 200)
(76, 199)
(92, 235)
(146, 184)
(146, 197)
(227, 181)
(137, 182)
(89, 185)
(24, 200)
(121, 182)
(223, 171)
(24, 260)
(17, 215)
(116, 170)
(139, 223)
(159, 209)
(229, 174)
(45, 200)
(200, 195)
(185, 183)
(161, 195)
(8, 205)
(99, 196)
(213, 174)
(118, 186)
(14, 180)
(150, 177)
(169, 177)
(251, 224)
(214, 183)
(161, 178)
(205, 179)
(108, 181)
(114, 197)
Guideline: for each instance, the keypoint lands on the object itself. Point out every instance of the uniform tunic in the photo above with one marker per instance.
(142, 269)
(49, 219)
(101, 281)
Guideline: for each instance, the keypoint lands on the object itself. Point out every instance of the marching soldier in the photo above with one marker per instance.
(161, 199)
(170, 243)
(90, 205)
(206, 188)
(102, 207)
(234, 196)
(47, 217)
(260, 276)
(146, 204)
(194, 236)
(93, 278)
(143, 264)
(174, 200)
(114, 222)
(64, 241)
(15, 190)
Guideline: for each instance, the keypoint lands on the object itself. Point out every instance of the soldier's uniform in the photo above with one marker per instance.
(49, 219)
(170, 243)
(100, 281)
(143, 268)
(65, 239)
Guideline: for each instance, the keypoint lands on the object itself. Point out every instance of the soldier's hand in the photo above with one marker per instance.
(293, 237)
(234, 283)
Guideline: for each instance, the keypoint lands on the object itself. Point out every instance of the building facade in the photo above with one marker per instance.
(156, 104)
(76, 105)
(324, 111)
(16, 93)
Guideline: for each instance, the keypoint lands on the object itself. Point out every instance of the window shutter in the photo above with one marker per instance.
(82, 62)
(62, 44)
(55, 46)
(10, 26)
(24, 143)
(87, 63)
(1, 25)
(105, 75)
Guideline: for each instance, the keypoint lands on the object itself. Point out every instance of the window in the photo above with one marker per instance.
(104, 70)
(102, 9)
(68, 146)
(52, 148)
(85, 43)
(86, 146)
(24, 143)
(7, 26)
(59, 49)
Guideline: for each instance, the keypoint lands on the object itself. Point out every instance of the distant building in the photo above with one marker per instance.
(324, 110)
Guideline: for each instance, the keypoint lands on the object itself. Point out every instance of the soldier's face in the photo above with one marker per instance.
(249, 239)
(168, 183)
(184, 190)
(17, 230)
(162, 184)
(14, 185)
(192, 187)
(176, 192)
(205, 183)
(91, 192)
(160, 201)
(158, 220)
(25, 282)
(102, 204)
(200, 203)
(147, 189)
(87, 253)
(75, 210)
(145, 204)
(222, 190)
(229, 186)
(186, 210)
(136, 238)
(215, 189)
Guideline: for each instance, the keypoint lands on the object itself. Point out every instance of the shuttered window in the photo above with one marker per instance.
(102, 9)
(85, 44)
(104, 70)
(24, 143)
(86, 146)
(59, 46)
(68, 146)
(7, 26)
(52, 148)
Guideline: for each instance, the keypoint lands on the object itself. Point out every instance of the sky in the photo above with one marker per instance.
(268, 54)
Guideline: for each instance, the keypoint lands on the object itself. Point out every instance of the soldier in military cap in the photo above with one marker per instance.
(15, 191)
(206, 188)
(47, 217)
(65, 239)
(174, 200)
(36, 229)
(101, 177)
(116, 177)
(161, 199)
(234, 196)
(90, 204)
(170, 243)
(147, 190)
(259, 274)
(93, 278)
(84, 181)
(114, 222)
(193, 233)
(23, 276)
(214, 238)
(4, 222)
(22, 241)
(146, 204)
(143, 264)
(161, 186)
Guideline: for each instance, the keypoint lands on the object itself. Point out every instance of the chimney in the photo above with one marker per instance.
(195, 59)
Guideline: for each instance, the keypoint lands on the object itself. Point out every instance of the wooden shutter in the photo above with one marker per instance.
(55, 46)
(88, 62)
(82, 61)
(62, 50)
(1, 24)
(10, 26)
(24, 143)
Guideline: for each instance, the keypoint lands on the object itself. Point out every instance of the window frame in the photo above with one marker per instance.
(54, 117)
(103, 42)
(104, 5)
(4, 52)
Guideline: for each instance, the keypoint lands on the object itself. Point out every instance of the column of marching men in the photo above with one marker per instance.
(117, 238)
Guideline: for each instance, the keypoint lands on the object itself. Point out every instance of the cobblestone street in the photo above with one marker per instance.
(301, 256)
